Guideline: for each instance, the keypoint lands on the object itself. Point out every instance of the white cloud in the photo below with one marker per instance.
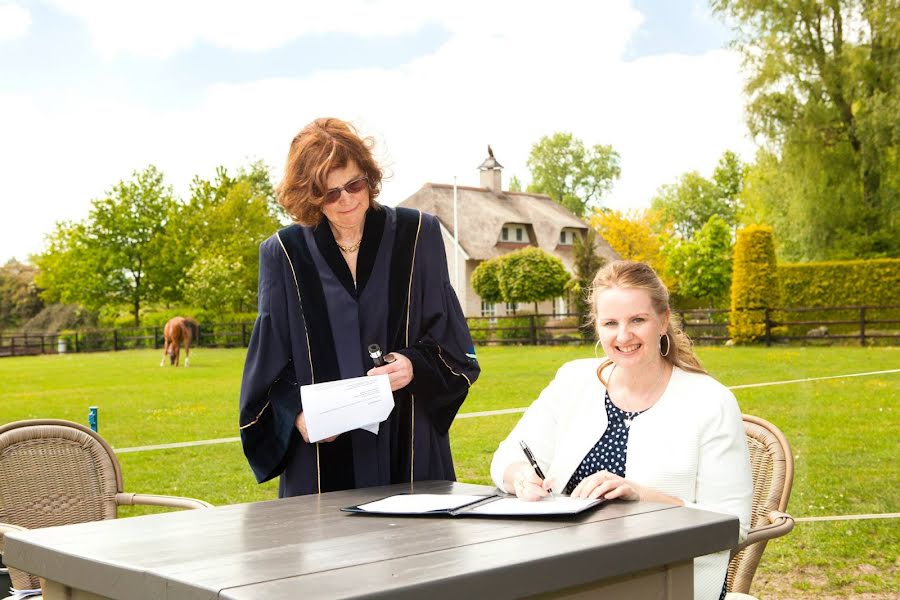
(14, 21)
(500, 79)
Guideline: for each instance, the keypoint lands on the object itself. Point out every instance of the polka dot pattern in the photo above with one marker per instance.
(610, 450)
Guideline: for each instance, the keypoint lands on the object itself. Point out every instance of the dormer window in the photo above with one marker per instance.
(514, 233)
(567, 237)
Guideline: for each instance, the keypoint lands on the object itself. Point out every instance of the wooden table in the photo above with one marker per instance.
(306, 547)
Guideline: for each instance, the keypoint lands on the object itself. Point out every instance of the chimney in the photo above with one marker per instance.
(490, 172)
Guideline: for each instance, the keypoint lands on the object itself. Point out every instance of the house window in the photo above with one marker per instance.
(518, 234)
(512, 307)
(566, 237)
(560, 306)
(488, 309)
(505, 235)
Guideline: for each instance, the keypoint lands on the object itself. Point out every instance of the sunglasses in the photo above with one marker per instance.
(352, 187)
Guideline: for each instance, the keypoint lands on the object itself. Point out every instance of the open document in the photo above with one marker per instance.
(339, 406)
(457, 505)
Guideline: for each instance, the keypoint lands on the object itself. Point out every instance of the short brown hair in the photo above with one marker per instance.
(627, 274)
(323, 145)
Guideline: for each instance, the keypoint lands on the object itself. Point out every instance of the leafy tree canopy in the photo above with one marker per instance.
(702, 266)
(19, 297)
(571, 174)
(824, 96)
(112, 256)
(689, 203)
(531, 275)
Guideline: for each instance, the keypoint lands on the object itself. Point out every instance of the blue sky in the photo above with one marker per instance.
(91, 90)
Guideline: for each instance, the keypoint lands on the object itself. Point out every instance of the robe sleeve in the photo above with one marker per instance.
(442, 355)
(270, 396)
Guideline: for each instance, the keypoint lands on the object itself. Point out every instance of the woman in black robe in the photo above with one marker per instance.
(351, 273)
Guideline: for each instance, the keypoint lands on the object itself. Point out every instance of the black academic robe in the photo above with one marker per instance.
(315, 325)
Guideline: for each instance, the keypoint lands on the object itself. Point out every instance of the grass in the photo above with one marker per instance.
(843, 432)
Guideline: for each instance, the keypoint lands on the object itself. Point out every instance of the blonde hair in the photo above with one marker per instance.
(320, 147)
(627, 274)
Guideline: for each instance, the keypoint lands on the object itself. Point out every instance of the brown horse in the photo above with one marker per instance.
(177, 332)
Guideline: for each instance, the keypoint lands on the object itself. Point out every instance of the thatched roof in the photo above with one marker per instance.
(483, 213)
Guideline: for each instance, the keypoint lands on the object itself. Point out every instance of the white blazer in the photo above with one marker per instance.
(690, 444)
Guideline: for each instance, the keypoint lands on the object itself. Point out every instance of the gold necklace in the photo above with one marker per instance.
(351, 248)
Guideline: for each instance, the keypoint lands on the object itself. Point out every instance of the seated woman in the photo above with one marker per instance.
(644, 423)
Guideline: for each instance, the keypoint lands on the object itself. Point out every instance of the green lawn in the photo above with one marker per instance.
(844, 434)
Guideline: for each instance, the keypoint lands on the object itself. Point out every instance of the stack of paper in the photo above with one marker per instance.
(336, 407)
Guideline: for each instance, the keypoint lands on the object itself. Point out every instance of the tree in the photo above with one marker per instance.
(702, 266)
(19, 296)
(114, 256)
(226, 219)
(514, 184)
(587, 263)
(692, 200)
(531, 275)
(572, 175)
(824, 95)
(485, 280)
(211, 284)
(631, 234)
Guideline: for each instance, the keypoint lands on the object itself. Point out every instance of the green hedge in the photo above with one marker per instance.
(754, 283)
(506, 328)
(841, 283)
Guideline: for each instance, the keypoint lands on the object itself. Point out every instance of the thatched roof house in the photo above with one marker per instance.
(493, 222)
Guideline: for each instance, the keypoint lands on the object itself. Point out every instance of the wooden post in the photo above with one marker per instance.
(156, 338)
(533, 330)
(768, 328)
(115, 340)
(243, 335)
(76, 342)
(12, 346)
(862, 325)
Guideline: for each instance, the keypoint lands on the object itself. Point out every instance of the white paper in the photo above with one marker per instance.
(416, 504)
(339, 406)
(551, 505)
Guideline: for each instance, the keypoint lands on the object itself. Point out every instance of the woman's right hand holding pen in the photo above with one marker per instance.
(521, 480)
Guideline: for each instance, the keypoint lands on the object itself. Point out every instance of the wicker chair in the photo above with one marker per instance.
(57, 472)
(772, 466)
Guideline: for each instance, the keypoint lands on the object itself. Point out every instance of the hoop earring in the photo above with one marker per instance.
(595, 349)
(668, 344)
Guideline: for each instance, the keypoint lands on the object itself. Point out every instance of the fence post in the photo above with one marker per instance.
(156, 338)
(12, 346)
(115, 340)
(42, 344)
(862, 325)
(533, 330)
(243, 335)
(76, 342)
(768, 328)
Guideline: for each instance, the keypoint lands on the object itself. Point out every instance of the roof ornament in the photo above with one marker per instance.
(490, 163)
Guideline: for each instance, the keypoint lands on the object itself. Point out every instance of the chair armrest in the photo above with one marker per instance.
(126, 499)
(20, 579)
(4, 529)
(780, 523)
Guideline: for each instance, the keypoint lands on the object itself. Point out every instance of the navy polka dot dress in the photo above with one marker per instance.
(610, 450)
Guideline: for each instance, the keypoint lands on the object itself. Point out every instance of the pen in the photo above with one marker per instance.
(532, 460)
(375, 353)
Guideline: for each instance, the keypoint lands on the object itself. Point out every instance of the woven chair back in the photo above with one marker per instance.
(772, 467)
(55, 472)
